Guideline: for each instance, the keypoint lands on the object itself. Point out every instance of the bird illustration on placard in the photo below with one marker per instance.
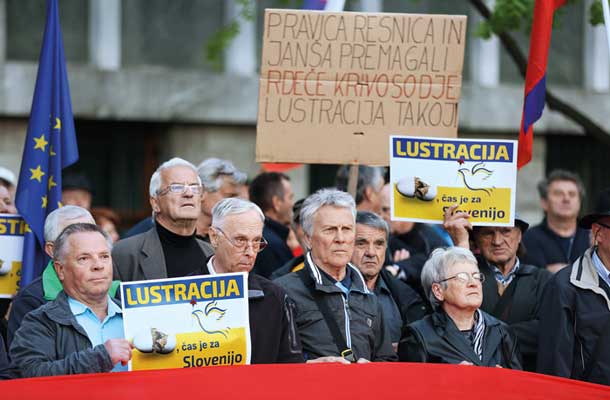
(476, 177)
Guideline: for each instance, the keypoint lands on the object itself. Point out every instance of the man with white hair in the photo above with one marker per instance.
(47, 286)
(169, 249)
(220, 180)
(338, 318)
(237, 236)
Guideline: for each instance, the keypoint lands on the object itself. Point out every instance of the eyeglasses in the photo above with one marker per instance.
(242, 244)
(180, 188)
(465, 277)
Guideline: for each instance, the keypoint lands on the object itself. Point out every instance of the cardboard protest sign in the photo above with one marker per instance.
(428, 175)
(334, 85)
(12, 230)
(187, 322)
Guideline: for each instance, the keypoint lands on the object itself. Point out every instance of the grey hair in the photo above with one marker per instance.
(367, 177)
(560, 175)
(435, 268)
(155, 179)
(372, 220)
(212, 170)
(61, 243)
(232, 206)
(56, 217)
(324, 197)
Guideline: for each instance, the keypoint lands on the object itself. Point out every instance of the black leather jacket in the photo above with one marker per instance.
(436, 339)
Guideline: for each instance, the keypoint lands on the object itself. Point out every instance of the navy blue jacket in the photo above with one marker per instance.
(542, 246)
(277, 253)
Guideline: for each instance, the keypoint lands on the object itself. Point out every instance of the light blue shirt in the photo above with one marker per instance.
(601, 269)
(100, 331)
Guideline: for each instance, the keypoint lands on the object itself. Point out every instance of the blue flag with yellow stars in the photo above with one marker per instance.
(50, 145)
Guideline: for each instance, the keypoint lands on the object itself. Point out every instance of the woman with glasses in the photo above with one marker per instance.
(458, 332)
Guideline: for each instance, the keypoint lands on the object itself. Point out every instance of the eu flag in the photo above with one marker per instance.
(50, 145)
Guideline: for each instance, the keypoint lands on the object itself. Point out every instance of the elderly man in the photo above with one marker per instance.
(237, 236)
(47, 286)
(338, 317)
(220, 180)
(170, 249)
(81, 331)
(272, 192)
(574, 337)
(458, 332)
(368, 188)
(512, 291)
(401, 304)
(558, 240)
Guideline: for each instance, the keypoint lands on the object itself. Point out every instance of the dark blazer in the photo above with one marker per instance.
(273, 333)
(277, 253)
(518, 306)
(436, 339)
(140, 257)
(408, 301)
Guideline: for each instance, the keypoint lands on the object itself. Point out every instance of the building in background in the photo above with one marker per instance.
(142, 91)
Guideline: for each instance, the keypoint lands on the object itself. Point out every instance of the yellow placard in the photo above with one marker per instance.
(490, 206)
(9, 283)
(196, 349)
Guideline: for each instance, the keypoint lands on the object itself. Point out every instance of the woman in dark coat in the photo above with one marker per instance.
(458, 332)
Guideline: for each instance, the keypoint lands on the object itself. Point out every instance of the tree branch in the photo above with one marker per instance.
(554, 103)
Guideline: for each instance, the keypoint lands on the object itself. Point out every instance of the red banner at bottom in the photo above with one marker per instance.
(310, 382)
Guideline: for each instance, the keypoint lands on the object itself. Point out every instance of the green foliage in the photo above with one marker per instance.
(222, 38)
(517, 15)
(596, 13)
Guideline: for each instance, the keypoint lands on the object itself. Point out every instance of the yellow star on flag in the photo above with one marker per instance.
(44, 201)
(51, 152)
(57, 123)
(37, 174)
(59, 205)
(51, 183)
(41, 143)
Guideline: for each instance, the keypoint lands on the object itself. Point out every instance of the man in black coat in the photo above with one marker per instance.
(512, 291)
(236, 235)
(400, 304)
(272, 192)
(575, 314)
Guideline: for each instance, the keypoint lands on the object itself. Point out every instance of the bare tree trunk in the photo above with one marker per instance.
(554, 103)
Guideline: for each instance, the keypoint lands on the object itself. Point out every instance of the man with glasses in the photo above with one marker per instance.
(458, 332)
(237, 237)
(170, 249)
(512, 291)
(575, 314)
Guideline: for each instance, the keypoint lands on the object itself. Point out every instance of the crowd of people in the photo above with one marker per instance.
(331, 277)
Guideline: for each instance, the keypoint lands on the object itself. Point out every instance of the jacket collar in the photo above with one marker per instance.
(584, 275)
(446, 328)
(524, 269)
(153, 260)
(59, 311)
(322, 283)
(255, 290)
